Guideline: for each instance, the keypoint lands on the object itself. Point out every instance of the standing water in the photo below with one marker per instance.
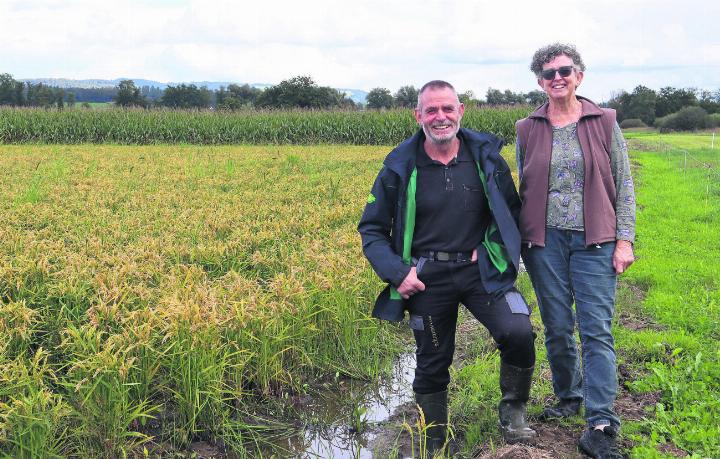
(347, 422)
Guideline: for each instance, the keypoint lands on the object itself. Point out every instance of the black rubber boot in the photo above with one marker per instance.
(565, 408)
(434, 408)
(515, 388)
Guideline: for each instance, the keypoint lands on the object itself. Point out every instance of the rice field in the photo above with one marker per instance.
(172, 284)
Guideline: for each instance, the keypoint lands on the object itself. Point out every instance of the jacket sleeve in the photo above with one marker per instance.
(519, 158)
(376, 226)
(507, 188)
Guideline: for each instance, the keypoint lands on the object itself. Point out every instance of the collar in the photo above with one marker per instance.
(478, 145)
(589, 108)
(423, 159)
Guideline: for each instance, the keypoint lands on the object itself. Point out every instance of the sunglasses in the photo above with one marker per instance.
(564, 71)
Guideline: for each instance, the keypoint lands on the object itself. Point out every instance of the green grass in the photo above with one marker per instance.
(700, 141)
(672, 289)
(679, 262)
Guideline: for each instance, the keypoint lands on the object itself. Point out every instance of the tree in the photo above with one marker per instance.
(71, 99)
(467, 98)
(236, 97)
(11, 91)
(7, 89)
(59, 94)
(641, 105)
(103, 95)
(40, 95)
(186, 96)
(301, 92)
(618, 102)
(710, 102)
(379, 98)
(406, 97)
(151, 93)
(536, 97)
(494, 97)
(671, 100)
(20, 93)
(508, 97)
(128, 95)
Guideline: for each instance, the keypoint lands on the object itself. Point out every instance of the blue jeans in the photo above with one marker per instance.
(563, 272)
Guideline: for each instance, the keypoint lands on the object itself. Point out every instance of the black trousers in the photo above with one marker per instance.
(433, 318)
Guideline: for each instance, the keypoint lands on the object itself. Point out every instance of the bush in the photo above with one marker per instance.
(712, 120)
(687, 119)
(662, 122)
(632, 123)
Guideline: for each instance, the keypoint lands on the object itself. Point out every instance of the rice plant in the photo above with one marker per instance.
(172, 287)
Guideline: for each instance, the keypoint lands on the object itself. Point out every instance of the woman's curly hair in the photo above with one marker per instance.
(550, 52)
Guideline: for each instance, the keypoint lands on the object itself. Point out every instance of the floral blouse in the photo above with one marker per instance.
(567, 178)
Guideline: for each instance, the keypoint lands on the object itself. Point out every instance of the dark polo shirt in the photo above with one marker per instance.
(451, 208)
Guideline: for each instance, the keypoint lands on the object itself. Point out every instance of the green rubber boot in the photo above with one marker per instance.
(515, 388)
(434, 408)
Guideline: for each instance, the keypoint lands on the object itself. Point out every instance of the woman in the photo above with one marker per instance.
(577, 224)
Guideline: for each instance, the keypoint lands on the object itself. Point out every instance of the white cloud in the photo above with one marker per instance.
(363, 44)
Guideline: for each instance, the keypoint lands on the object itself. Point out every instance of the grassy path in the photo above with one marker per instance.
(667, 327)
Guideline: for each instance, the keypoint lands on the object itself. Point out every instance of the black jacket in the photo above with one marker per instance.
(384, 223)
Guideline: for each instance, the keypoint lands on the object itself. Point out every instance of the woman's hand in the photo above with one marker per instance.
(623, 256)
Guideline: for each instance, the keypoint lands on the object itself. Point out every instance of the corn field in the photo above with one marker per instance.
(140, 127)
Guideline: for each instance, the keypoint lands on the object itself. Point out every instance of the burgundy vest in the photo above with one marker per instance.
(595, 129)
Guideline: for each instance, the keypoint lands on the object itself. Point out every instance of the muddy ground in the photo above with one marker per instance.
(555, 440)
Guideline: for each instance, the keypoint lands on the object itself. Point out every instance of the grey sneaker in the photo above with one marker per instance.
(564, 409)
(600, 444)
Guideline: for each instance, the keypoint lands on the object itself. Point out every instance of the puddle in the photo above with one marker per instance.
(344, 421)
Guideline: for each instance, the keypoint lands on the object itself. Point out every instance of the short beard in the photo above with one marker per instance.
(439, 141)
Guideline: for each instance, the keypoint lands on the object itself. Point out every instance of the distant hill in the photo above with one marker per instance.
(357, 95)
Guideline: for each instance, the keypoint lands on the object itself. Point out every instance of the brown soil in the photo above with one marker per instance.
(554, 441)
(204, 450)
(672, 450)
(631, 316)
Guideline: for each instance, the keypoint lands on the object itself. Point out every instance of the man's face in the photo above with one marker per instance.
(439, 114)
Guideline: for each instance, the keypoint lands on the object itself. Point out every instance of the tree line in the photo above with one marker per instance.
(406, 97)
(17, 93)
(667, 109)
(297, 92)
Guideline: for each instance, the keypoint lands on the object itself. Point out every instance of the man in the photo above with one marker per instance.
(440, 226)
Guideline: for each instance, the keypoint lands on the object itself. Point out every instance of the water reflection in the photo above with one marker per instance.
(344, 421)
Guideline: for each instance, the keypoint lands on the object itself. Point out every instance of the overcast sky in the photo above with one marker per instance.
(363, 44)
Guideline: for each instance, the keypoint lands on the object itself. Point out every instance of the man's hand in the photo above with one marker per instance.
(410, 285)
(623, 256)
